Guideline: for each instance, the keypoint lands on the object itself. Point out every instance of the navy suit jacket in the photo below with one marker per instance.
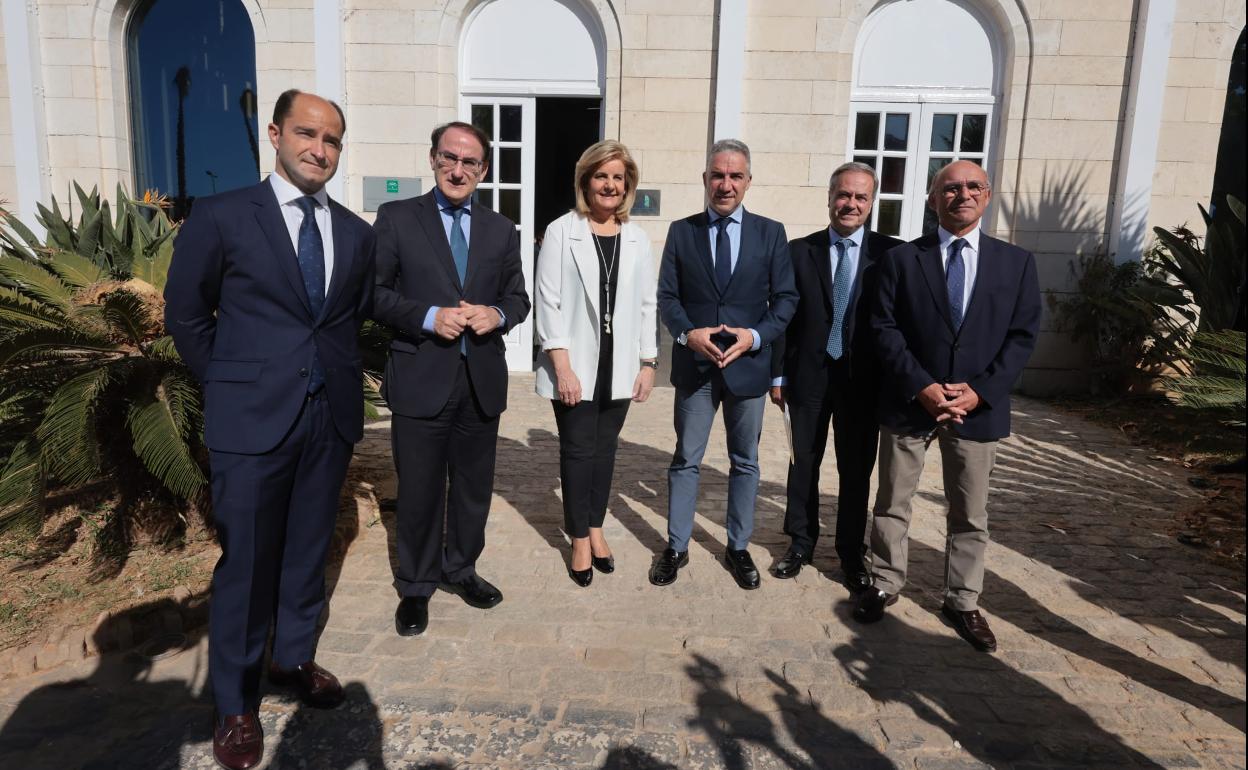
(918, 345)
(760, 296)
(236, 306)
(415, 271)
(800, 355)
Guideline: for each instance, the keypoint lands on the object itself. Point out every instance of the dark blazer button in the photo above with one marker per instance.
(303, 372)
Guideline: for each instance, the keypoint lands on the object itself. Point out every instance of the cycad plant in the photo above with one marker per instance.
(1218, 379)
(91, 387)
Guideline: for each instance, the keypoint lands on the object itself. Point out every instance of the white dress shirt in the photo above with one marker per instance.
(970, 259)
(287, 194)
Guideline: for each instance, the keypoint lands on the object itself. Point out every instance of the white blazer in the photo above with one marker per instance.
(567, 306)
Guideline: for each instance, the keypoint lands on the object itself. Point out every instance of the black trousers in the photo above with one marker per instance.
(589, 434)
(849, 406)
(445, 465)
(274, 516)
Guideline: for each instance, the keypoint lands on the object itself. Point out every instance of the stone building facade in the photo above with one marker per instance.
(1095, 120)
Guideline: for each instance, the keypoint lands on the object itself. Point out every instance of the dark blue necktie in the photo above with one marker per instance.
(312, 265)
(723, 254)
(842, 282)
(955, 280)
(459, 244)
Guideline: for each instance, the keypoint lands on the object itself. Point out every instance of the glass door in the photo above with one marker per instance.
(510, 123)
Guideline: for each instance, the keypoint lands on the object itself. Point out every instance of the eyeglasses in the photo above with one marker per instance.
(973, 189)
(447, 161)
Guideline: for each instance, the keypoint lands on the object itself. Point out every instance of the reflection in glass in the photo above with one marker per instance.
(867, 132)
(193, 99)
(484, 197)
(509, 165)
(483, 118)
(509, 118)
(973, 130)
(934, 165)
(893, 177)
(889, 221)
(943, 128)
(867, 159)
(509, 204)
(896, 131)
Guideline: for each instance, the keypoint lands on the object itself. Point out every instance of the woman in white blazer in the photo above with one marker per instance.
(596, 323)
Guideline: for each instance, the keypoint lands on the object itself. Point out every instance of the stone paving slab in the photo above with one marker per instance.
(1119, 646)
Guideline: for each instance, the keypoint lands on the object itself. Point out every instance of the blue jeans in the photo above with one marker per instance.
(743, 422)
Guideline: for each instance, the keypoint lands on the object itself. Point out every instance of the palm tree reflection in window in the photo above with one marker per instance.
(192, 70)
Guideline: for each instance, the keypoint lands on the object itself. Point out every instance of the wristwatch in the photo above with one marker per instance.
(683, 339)
(651, 364)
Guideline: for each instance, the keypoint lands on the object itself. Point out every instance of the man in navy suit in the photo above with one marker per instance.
(826, 372)
(725, 293)
(451, 284)
(955, 320)
(265, 296)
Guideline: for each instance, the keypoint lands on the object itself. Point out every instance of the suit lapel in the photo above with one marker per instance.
(817, 251)
(273, 225)
(344, 254)
(701, 236)
(984, 267)
(431, 221)
(864, 260)
(750, 245)
(934, 272)
(584, 254)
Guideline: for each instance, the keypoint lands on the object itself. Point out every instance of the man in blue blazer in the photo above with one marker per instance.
(725, 293)
(265, 296)
(955, 320)
(826, 372)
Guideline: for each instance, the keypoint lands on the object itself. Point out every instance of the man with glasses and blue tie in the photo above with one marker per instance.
(725, 293)
(955, 320)
(826, 372)
(450, 284)
(266, 293)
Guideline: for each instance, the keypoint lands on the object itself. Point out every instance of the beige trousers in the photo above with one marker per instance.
(967, 466)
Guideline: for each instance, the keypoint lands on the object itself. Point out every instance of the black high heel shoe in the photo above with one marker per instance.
(582, 577)
(604, 564)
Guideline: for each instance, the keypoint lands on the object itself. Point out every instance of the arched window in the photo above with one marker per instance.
(192, 98)
(924, 93)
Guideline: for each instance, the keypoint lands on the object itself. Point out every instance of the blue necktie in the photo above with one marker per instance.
(955, 280)
(312, 264)
(842, 283)
(459, 244)
(723, 254)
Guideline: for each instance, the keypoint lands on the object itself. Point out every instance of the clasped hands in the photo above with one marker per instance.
(450, 322)
(699, 341)
(949, 402)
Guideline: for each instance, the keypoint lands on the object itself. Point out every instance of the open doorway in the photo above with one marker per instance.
(565, 127)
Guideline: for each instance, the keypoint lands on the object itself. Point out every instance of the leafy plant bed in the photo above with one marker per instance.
(1197, 440)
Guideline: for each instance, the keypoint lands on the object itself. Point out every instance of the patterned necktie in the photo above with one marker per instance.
(842, 284)
(955, 280)
(459, 244)
(312, 264)
(723, 254)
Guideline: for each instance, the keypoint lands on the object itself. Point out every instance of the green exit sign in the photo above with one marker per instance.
(392, 185)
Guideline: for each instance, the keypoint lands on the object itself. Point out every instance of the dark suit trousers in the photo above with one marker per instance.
(275, 515)
(455, 445)
(850, 408)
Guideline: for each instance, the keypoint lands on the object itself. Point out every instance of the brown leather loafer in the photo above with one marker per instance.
(316, 687)
(972, 627)
(237, 741)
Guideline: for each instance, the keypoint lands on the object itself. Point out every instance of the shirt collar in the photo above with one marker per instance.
(855, 237)
(971, 238)
(288, 193)
(735, 216)
(445, 205)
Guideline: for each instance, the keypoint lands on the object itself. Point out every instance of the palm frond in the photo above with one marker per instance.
(20, 311)
(36, 282)
(67, 435)
(77, 270)
(21, 488)
(36, 343)
(159, 442)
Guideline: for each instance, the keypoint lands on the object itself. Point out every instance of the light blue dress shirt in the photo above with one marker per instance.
(465, 224)
(734, 238)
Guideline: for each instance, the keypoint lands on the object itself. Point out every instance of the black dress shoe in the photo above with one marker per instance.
(790, 564)
(604, 564)
(663, 573)
(972, 627)
(742, 568)
(855, 577)
(412, 616)
(476, 591)
(316, 687)
(870, 605)
(582, 577)
(237, 741)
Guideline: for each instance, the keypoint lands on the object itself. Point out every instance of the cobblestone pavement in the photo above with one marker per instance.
(1119, 647)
